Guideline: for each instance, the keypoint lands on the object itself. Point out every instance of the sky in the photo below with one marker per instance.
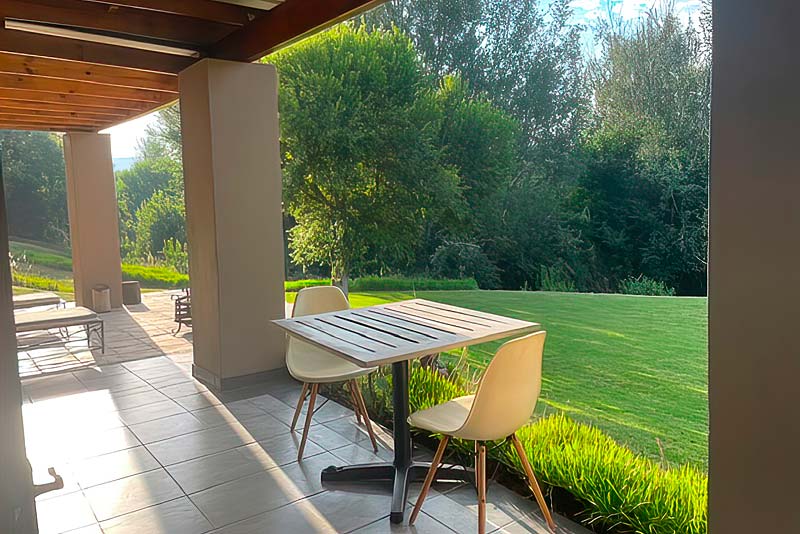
(125, 137)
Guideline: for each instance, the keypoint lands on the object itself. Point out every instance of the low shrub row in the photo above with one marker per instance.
(155, 277)
(44, 283)
(293, 286)
(398, 283)
(620, 490)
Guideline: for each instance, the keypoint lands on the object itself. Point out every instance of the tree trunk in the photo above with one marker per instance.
(340, 276)
(342, 282)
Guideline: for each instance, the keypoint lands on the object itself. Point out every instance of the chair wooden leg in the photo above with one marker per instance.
(426, 486)
(314, 389)
(537, 491)
(352, 385)
(367, 422)
(300, 402)
(480, 470)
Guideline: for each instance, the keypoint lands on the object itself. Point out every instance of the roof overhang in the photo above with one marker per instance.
(86, 65)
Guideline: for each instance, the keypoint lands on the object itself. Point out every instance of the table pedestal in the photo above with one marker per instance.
(403, 470)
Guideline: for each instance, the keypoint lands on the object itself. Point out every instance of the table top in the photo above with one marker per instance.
(388, 333)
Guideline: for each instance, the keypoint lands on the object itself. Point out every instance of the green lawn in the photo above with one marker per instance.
(637, 367)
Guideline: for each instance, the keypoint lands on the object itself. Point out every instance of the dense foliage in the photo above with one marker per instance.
(464, 139)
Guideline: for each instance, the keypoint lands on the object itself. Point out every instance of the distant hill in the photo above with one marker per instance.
(122, 164)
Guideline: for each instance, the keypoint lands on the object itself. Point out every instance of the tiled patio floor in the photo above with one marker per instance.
(134, 332)
(143, 448)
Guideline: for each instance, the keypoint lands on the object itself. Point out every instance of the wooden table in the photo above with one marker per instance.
(395, 334)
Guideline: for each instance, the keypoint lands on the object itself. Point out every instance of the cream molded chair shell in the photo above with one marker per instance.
(313, 366)
(503, 403)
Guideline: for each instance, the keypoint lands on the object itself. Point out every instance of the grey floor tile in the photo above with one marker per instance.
(198, 401)
(202, 443)
(183, 389)
(424, 524)
(362, 453)
(150, 412)
(113, 466)
(167, 427)
(202, 473)
(179, 516)
(261, 492)
(65, 513)
(132, 493)
(325, 437)
(228, 413)
(86, 445)
(150, 396)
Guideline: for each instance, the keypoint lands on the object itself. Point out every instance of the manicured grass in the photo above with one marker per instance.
(635, 367)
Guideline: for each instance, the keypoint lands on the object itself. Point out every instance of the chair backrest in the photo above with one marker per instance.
(320, 299)
(508, 390)
(311, 301)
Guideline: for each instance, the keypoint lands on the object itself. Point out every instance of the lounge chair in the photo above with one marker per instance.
(66, 318)
(40, 298)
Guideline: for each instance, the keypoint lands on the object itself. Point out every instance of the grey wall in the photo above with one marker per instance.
(754, 269)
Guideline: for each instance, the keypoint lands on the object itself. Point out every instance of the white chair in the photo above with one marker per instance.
(314, 366)
(504, 402)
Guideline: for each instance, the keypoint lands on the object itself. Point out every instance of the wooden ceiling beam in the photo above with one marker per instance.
(54, 116)
(58, 126)
(95, 90)
(87, 72)
(43, 127)
(32, 105)
(201, 9)
(19, 42)
(77, 100)
(285, 24)
(152, 25)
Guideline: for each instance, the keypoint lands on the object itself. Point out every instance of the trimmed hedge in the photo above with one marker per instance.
(398, 283)
(293, 286)
(621, 491)
(42, 282)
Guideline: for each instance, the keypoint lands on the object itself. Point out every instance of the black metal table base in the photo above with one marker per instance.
(399, 478)
(402, 471)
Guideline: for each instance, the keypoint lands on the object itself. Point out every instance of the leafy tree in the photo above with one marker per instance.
(524, 56)
(35, 184)
(647, 171)
(161, 218)
(361, 167)
(137, 185)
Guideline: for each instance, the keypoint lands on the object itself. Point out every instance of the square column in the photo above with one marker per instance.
(17, 508)
(93, 216)
(232, 173)
(754, 269)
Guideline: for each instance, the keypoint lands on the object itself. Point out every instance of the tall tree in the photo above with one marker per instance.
(361, 167)
(524, 56)
(35, 184)
(647, 176)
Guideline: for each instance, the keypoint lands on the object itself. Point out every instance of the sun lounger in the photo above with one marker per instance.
(66, 318)
(40, 298)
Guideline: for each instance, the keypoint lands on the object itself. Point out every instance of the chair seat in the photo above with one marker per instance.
(445, 418)
(312, 365)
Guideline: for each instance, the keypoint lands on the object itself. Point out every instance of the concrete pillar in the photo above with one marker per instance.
(754, 269)
(93, 216)
(17, 510)
(231, 164)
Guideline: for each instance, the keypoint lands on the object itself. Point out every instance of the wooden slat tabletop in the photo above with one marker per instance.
(388, 333)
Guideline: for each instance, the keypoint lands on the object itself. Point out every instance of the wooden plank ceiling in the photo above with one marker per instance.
(86, 65)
